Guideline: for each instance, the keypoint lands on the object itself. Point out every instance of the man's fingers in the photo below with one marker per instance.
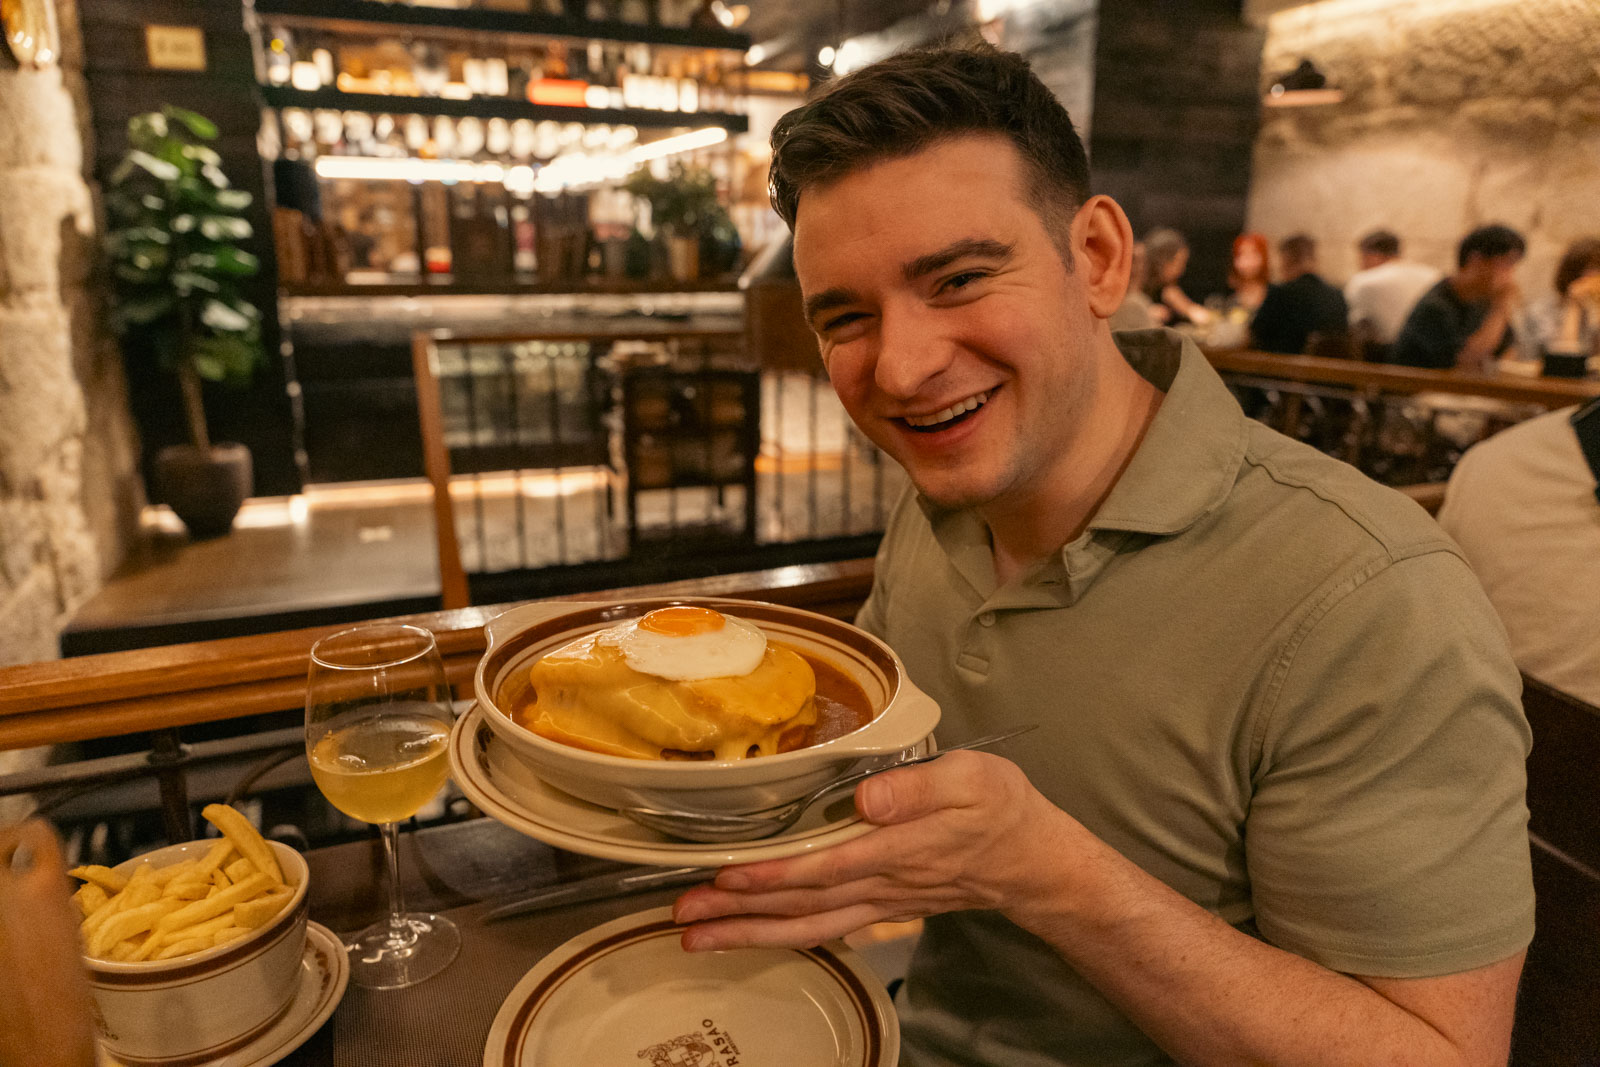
(952, 781)
(767, 932)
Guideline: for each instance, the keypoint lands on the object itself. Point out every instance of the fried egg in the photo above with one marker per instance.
(688, 644)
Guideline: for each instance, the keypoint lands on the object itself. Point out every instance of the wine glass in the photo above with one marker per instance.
(378, 717)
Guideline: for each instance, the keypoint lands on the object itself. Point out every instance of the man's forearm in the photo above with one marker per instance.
(1485, 340)
(1209, 994)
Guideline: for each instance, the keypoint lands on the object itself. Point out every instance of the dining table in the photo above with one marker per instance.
(464, 871)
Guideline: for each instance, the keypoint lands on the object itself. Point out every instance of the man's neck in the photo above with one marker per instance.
(1468, 289)
(1023, 532)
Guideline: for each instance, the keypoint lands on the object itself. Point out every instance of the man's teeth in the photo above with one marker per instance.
(971, 403)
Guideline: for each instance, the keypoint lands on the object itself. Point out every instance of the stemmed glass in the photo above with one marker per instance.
(378, 720)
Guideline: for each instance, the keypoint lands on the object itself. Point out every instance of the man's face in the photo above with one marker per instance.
(1487, 275)
(1372, 259)
(949, 324)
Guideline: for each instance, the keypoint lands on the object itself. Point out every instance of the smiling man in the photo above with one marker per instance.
(1273, 811)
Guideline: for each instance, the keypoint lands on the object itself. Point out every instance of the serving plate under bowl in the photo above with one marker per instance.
(903, 715)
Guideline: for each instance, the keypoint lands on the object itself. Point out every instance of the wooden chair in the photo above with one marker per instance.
(1558, 1006)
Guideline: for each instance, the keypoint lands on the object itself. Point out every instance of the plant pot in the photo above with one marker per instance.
(683, 258)
(205, 490)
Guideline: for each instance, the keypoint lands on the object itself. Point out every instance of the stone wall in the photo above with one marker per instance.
(69, 492)
(1456, 113)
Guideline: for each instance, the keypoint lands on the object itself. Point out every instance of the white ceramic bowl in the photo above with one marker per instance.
(903, 715)
(199, 1007)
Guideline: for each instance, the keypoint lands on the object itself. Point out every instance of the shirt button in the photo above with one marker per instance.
(986, 619)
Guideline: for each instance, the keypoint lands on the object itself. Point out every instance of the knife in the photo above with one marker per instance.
(601, 886)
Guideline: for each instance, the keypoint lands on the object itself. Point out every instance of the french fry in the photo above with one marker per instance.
(104, 877)
(187, 890)
(251, 845)
(132, 921)
(211, 907)
(239, 869)
(218, 855)
(165, 876)
(123, 950)
(89, 897)
(183, 948)
(253, 913)
(220, 880)
(231, 933)
(101, 914)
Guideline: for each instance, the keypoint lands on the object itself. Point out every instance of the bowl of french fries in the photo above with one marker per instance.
(194, 949)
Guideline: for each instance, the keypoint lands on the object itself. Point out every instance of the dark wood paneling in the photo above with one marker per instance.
(120, 86)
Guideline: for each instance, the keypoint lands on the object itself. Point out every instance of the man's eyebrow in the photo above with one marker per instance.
(977, 247)
(828, 299)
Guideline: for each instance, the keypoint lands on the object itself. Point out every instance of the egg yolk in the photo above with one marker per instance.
(682, 621)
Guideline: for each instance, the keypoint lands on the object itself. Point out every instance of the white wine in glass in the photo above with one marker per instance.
(378, 720)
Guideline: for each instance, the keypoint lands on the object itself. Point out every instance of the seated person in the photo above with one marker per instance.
(1568, 320)
(1523, 507)
(1383, 292)
(1135, 312)
(1302, 308)
(1249, 273)
(1168, 258)
(1465, 320)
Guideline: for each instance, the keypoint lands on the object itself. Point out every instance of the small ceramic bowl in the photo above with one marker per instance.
(200, 1007)
(903, 716)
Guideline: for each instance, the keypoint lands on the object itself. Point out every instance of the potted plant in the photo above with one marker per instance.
(684, 207)
(176, 224)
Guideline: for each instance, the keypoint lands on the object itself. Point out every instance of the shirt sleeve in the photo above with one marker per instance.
(1387, 833)
(1429, 338)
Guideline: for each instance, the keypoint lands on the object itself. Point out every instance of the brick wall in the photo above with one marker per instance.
(1456, 113)
(69, 494)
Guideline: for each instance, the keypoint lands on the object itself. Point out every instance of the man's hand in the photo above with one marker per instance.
(1507, 296)
(954, 834)
(46, 1021)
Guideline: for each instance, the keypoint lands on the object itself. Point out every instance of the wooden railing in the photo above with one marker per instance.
(1388, 378)
(178, 685)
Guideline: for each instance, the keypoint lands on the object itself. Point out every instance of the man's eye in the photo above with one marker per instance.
(960, 281)
(842, 320)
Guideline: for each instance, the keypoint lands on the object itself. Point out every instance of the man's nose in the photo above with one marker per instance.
(912, 351)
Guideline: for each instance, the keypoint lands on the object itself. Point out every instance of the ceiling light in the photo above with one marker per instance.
(826, 55)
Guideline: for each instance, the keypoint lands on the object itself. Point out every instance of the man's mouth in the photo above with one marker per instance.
(956, 413)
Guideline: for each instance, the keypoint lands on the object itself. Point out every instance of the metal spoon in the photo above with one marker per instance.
(750, 826)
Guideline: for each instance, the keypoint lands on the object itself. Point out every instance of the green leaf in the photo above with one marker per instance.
(187, 281)
(221, 227)
(144, 309)
(201, 154)
(221, 317)
(233, 199)
(184, 223)
(197, 124)
(225, 359)
(224, 259)
(214, 175)
(158, 168)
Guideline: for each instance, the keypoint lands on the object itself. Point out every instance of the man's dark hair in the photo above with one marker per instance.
(907, 102)
(1298, 248)
(1579, 259)
(1490, 242)
(1380, 243)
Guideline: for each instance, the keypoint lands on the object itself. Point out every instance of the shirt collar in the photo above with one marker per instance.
(1189, 459)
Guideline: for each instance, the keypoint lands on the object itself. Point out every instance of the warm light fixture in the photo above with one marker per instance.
(826, 55)
(563, 172)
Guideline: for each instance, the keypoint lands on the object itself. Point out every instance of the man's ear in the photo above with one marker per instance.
(1102, 244)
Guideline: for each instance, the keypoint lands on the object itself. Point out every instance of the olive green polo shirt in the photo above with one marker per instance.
(1270, 682)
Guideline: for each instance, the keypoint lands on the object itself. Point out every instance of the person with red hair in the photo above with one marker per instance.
(1250, 271)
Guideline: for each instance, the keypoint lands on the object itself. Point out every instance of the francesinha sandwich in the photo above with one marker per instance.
(678, 683)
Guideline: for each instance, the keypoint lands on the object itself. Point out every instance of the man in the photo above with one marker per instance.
(1273, 808)
(1465, 320)
(1383, 292)
(1302, 309)
(1524, 507)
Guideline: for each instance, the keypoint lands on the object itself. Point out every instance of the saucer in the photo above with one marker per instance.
(505, 789)
(625, 992)
(324, 973)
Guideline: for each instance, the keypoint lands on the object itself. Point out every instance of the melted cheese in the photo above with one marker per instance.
(585, 694)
